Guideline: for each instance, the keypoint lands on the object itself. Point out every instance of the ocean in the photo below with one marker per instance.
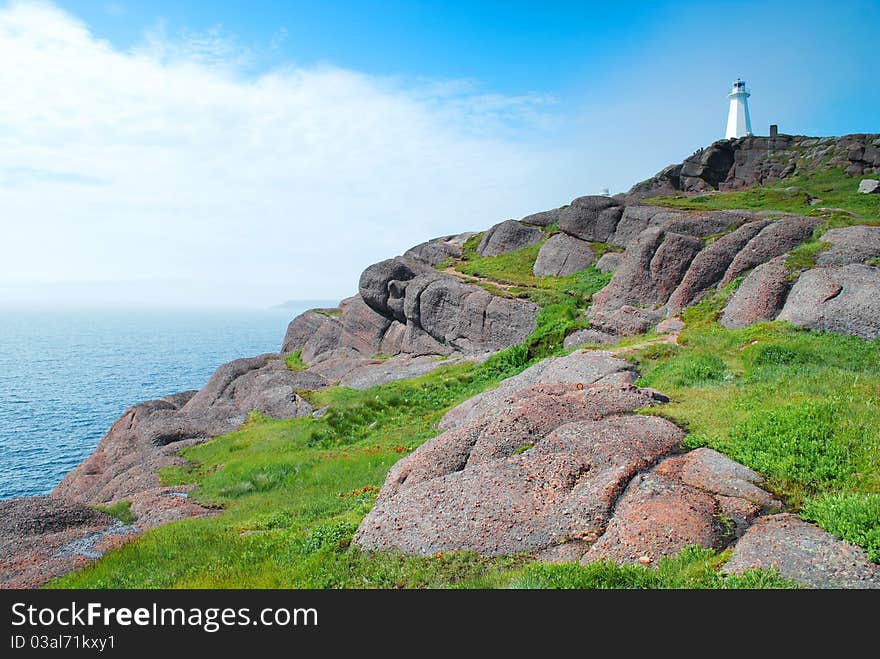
(66, 376)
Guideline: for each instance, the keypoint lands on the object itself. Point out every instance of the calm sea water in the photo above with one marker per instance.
(66, 376)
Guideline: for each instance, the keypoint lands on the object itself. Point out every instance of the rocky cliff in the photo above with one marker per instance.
(748, 161)
(514, 463)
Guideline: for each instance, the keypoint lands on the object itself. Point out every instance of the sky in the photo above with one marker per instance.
(240, 154)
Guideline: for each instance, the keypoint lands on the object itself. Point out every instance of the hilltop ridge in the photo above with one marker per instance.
(716, 239)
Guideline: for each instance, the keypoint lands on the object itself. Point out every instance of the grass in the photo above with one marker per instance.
(510, 275)
(121, 510)
(803, 257)
(797, 406)
(832, 186)
(293, 491)
(294, 361)
(694, 567)
(800, 407)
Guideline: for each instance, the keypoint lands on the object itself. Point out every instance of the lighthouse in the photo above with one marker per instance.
(739, 124)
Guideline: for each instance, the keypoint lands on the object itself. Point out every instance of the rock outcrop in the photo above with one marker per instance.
(842, 299)
(670, 266)
(436, 251)
(404, 307)
(563, 255)
(542, 468)
(760, 296)
(45, 537)
(544, 218)
(846, 245)
(591, 218)
(507, 237)
(563, 470)
(554, 461)
(804, 553)
(749, 161)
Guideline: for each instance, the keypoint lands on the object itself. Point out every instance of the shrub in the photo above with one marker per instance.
(795, 443)
(334, 536)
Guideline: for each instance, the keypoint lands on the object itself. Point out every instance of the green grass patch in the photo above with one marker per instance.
(796, 445)
(294, 361)
(689, 370)
(694, 567)
(803, 257)
(514, 270)
(600, 249)
(832, 186)
(121, 510)
(797, 406)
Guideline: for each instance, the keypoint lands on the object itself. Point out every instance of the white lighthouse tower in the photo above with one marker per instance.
(739, 124)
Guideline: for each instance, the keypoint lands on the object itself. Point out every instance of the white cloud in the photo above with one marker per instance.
(168, 167)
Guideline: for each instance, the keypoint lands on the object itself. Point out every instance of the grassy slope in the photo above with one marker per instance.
(797, 406)
(832, 187)
(839, 204)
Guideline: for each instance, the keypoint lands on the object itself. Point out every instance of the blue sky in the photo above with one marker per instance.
(148, 147)
(569, 49)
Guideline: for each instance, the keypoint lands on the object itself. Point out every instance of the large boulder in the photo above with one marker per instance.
(760, 296)
(775, 239)
(856, 244)
(709, 266)
(563, 255)
(594, 367)
(842, 299)
(263, 384)
(706, 169)
(565, 471)
(609, 262)
(544, 218)
(635, 219)
(45, 537)
(804, 553)
(591, 218)
(537, 473)
(869, 186)
(303, 327)
(434, 252)
(658, 516)
(466, 316)
(508, 236)
(649, 271)
(379, 280)
(680, 503)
